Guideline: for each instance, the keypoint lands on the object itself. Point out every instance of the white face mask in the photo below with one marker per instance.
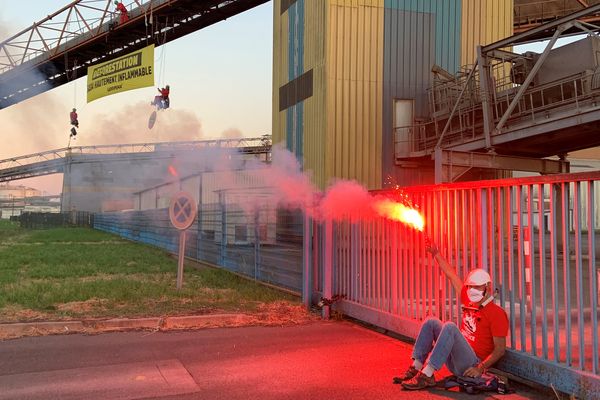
(475, 295)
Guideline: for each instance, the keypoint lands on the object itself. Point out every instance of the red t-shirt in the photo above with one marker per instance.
(479, 326)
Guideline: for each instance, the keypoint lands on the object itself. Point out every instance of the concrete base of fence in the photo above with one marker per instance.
(16, 330)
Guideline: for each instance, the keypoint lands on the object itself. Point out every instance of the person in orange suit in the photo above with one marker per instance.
(124, 16)
(164, 92)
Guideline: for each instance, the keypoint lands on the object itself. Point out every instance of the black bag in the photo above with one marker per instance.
(485, 383)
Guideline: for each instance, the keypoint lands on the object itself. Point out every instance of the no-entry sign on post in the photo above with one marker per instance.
(182, 213)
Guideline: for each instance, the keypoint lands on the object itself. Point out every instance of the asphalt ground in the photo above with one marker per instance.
(317, 360)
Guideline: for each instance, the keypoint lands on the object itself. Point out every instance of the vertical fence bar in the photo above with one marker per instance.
(519, 200)
(436, 302)
(394, 265)
(223, 247)
(489, 196)
(593, 272)
(355, 251)
(554, 265)
(307, 239)
(256, 242)
(510, 259)
(530, 269)
(327, 265)
(443, 238)
(404, 256)
(483, 229)
(578, 271)
(566, 268)
(542, 259)
(501, 230)
(457, 255)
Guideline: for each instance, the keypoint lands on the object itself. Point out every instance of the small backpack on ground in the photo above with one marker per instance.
(485, 383)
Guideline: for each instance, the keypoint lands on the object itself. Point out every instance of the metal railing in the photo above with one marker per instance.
(572, 95)
(538, 238)
(263, 142)
(53, 34)
(265, 245)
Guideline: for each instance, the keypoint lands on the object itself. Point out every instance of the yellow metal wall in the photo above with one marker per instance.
(483, 22)
(280, 69)
(343, 45)
(316, 152)
(355, 90)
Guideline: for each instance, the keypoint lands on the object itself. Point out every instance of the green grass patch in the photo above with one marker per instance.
(67, 273)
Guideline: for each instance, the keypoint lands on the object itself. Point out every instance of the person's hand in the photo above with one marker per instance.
(431, 247)
(473, 372)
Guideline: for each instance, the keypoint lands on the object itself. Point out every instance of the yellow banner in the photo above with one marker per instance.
(132, 71)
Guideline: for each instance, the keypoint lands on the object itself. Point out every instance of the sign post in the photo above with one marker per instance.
(182, 213)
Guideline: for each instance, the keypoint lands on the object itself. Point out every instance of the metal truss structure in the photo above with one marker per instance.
(60, 47)
(54, 161)
(507, 112)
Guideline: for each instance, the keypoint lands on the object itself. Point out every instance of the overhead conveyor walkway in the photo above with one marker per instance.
(60, 47)
(55, 161)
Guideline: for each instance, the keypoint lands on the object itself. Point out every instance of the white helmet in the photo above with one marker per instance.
(478, 277)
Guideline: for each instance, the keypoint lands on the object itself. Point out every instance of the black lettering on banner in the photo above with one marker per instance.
(118, 65)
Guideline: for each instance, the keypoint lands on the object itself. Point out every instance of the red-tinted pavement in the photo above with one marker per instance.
(321, 360)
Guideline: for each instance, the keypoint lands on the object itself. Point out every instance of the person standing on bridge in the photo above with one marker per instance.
(124, 16)
(74, 118)
(468, 351)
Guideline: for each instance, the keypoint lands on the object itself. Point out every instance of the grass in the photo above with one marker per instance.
(75, 273)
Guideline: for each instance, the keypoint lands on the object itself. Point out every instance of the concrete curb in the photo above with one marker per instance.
(21, 329)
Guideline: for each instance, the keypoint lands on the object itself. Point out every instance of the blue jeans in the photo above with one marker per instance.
(443, 343)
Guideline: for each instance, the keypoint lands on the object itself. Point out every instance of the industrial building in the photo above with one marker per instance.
(347, 72)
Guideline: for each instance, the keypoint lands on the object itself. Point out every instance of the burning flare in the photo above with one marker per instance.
(399, 212)
(173, 171)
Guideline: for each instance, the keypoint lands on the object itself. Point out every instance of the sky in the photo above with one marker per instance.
(220, 79)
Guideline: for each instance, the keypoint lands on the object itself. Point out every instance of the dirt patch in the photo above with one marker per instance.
(280, 313)
(283, 313)
(83, 307)
(13, 313)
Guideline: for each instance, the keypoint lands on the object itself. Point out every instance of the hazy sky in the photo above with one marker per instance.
(220, 79)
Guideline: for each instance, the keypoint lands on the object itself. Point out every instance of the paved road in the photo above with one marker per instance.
(322, 360)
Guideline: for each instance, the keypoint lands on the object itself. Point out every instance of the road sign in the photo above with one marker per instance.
(182, 213)
(182, 210)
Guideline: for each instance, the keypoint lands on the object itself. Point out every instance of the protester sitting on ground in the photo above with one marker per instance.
(480, 342)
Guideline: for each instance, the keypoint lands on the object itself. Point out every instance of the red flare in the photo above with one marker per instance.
(399, 212)
(173, 171)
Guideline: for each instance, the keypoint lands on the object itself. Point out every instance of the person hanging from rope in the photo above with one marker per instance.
(157, 102)
(124, 16)
(164, 94)
(74, 120)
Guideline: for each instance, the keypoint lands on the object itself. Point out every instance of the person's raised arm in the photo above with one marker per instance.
(444, 265)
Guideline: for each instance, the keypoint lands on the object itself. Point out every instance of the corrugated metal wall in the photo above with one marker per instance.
(280, 68)
(315, 107)
(419, 34)
(484, 22)
(355, 90)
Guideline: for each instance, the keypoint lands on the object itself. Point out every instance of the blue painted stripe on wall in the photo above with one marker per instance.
(448, 20)
(299, 71)
(289, 117)
(295, 114)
